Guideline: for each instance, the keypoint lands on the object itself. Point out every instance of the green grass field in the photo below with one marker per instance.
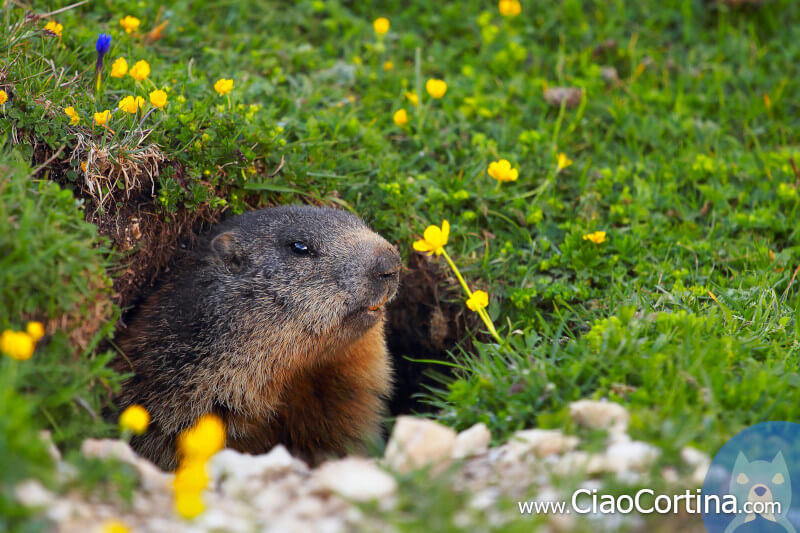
(681, 146)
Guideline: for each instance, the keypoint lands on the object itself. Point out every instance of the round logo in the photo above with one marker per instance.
(753, 483)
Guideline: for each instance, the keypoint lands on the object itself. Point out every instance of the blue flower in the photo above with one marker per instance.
(103, 44)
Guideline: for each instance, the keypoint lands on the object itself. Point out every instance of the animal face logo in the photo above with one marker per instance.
(766, 488)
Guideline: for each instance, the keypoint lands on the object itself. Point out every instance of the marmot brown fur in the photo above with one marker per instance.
(275, 323)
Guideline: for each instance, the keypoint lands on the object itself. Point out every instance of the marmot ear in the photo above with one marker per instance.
(227, 248)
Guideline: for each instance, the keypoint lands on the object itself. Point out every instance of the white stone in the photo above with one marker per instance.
(417, 443)
(472, 441)
(31, 493)
(630, 456)
(541, 442)
(694, 457)
(600, 415)
(230, 464)
(356, 479)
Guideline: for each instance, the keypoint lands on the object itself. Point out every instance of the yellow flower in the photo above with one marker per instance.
(129, 23)
(83, 166)
(135, 418)
(191, 477)
(73, 115)
(509, 8)
(563, 162)
(54, 27)
(223, 86)
(387, 66)
(381, 25)
(3, 97)
(413, 98)
(119, 68)
(400, 117)
(206, 438)
(189, 504)
(434, 239)
(436, 88)
(102, 117)
(35, 330)
(478, 300)
(17, 345)
(158, 98)
(502, 171)
(115, 526)
(131, 104)
(140, 70)
(597, 237)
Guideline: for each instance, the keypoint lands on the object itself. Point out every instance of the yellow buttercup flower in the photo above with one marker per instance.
(54, 27)
(131, 104)
(381, 25)
(140, 70)
(434, 239)
(509, 8)
(206, 438)
(388, 65)
(223, 86)
(101, 118)
(83, 166)
(501, 171)
(597, 237)
(35, 330)
(189, 504)
(191, 477)
(115, 526)
(562, 162)
(413, 98)
(135, 418)
(158, 98)
(129, 23)
(3, 97)
(478, 300)
(17, 345)
(436, 88)
(73, 115)
(119, 68)
(400, 117)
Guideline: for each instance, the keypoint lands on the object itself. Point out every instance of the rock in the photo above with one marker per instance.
(694, 457)
(230, 464)
(356, 479)
(150, 476)
(540, 442)
(31, 493)
(600, 415)
(570, 96)
(417, 443)
(699, 461)
(472, 441)
(630, 456)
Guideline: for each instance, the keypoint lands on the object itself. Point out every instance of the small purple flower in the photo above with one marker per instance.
(103, 44)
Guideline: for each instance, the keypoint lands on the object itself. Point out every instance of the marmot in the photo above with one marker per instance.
(274, 322)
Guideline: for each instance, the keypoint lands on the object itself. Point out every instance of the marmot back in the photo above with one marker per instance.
(275, 323)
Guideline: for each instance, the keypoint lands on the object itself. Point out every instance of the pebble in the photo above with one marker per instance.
(417, 443)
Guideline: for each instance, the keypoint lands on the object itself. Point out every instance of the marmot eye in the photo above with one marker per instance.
(300, 248)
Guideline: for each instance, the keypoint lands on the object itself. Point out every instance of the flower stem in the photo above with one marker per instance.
(481, 311)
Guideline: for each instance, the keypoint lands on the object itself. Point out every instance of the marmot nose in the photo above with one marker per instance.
(387, 263)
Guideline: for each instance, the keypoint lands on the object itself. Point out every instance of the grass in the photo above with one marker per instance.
(686, 314)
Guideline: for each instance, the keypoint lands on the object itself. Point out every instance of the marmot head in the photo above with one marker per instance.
(320, 272)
